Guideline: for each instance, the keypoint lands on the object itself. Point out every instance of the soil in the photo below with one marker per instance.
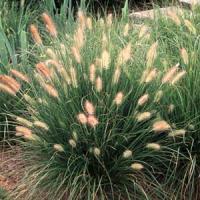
(11, 167)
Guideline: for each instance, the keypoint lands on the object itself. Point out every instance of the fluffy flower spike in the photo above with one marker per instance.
(35, 34)
(51, 28)
(137, 166)
(89, 107)
(161, 126)
(20, 75)
(119, 98)
(81, 117)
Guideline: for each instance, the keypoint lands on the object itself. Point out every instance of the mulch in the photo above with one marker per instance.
(11, 167)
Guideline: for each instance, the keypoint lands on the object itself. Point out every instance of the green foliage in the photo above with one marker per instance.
(3, 194)
(13, 26)
(173, 38)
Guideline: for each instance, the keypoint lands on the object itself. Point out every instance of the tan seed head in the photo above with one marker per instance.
(175, 133)
(184, 56)
(50, 90)
(161, 126)
(41, 125)
(127, 154)
(170, 74)
(124, 55)
(82, 118)
(92, 71)
(152, 54)
(35, 34)
(89, 107)
(89, 23)
(143, 99)
(174, 17)
(119, 98)
(178, 77)
(50, 26)
(137, 166)
(126, 30)
(143, 116)
(92, 121)
(10, 82)
(154, 146)
(72, 143)
(20, 75)
(7, 89)
(76, 54)
(116, 75)
(58, 147)
(97, 151)
(99, 84)
(190, 26)
(24, 122)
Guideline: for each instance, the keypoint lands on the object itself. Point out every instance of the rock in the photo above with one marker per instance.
(150, 14)
(190, 2)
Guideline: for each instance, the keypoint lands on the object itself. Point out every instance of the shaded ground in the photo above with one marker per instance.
(11, 167)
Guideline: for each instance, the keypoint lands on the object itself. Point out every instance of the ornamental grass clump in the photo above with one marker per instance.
(93, 130)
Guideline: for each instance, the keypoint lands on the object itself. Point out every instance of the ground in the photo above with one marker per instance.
(11, 167)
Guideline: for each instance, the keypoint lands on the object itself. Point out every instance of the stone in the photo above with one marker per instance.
(190, 2)
(150, 14)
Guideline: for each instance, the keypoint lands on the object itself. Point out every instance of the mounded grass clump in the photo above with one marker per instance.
(97, 126)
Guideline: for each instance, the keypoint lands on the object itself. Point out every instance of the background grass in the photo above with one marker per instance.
(172, 38)
(14, 52)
